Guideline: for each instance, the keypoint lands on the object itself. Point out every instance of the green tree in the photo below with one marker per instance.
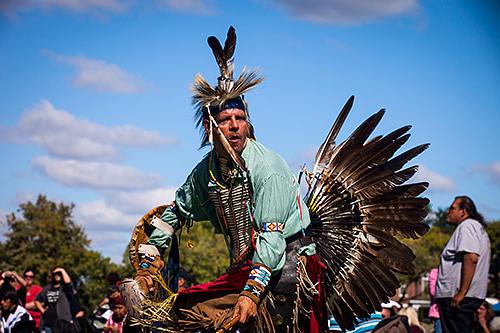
(126, 269)
(428, 248)
(43, 236)
(494, 234)
(439, 220)
(207, 257)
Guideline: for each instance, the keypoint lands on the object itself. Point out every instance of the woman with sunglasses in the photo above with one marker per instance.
(32, 290)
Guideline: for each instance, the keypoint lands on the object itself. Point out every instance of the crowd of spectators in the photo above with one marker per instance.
(27, 307)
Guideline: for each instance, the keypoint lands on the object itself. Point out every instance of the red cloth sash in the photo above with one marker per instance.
(233, 280)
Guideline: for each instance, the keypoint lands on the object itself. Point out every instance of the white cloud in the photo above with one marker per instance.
(493, 170)
(65, 135)
(194, 6)
(437, 182)
(348, 11)
(111, 243)
(109, 223)
(99, 215)
(122, 209)
(100, 175)
(99, 75)
(140, 201)
(94, 6)
(108, 228)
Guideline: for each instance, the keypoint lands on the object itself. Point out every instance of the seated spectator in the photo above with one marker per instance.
(115, 322)
(392, 322)
(411, 313)
(495, 322)
(15, 318)
(113, 279)
(111, 293)
(32, 291)
(484, 316)
(184, 281)
(390, 309)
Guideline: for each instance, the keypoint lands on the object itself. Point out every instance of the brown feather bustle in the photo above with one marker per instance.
(359, 204)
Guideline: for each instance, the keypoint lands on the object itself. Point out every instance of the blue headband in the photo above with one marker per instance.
(235, 103)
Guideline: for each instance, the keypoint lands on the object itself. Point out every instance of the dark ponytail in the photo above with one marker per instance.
(468, 205)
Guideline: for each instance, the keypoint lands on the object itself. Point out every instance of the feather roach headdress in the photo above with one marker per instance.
(228, 93)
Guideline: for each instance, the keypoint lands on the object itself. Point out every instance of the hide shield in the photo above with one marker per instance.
(142, 232)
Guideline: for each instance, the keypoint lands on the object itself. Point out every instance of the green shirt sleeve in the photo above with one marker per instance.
(276, 201)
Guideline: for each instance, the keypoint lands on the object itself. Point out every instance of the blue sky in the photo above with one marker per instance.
(95, 101)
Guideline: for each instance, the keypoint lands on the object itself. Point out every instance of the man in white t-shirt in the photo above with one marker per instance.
(463, 269)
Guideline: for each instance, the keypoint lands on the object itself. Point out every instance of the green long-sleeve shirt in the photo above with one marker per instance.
(275, 199)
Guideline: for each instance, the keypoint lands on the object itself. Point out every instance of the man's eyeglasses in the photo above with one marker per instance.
(29, 276)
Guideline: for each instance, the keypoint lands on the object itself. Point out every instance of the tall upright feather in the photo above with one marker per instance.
(329, 142)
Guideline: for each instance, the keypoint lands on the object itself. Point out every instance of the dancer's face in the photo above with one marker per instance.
(234, 125)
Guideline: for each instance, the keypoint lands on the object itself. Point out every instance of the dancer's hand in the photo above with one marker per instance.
(245, 309)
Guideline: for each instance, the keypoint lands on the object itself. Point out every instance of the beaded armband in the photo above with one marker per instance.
(257, 282)
(272, 227)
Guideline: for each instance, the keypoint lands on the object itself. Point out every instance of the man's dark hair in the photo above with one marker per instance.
(29, 269)
(9, 292)
(468, 205)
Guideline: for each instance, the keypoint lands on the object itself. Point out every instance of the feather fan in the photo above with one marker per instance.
(359, 202)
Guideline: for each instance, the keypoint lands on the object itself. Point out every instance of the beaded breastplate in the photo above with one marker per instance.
(232, 203)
